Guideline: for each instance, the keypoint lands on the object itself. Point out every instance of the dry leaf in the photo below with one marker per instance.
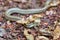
(28, 36)
(43, 38)
(37, 15)
(56, 32)
(55, 2)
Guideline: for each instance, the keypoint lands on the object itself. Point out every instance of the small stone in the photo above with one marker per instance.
(2, 32)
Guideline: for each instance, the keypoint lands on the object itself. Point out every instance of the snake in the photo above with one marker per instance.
(26, 11)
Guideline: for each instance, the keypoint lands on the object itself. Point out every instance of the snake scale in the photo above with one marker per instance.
(26, 11)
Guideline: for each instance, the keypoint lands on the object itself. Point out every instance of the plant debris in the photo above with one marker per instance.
(42, 26)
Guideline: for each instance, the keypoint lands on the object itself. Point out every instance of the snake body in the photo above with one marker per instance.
(25, 11)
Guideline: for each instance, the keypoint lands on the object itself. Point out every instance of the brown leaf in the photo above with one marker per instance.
(28, 36)
(56, 33)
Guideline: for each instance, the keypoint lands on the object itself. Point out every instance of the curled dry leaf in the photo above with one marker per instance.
(37, 20)
(38, 15)
(22, 22)
(31, 25)
(28, 36)
(9, 25)
(49, 12)
(26, 21)
(54, 3)
(34, 24)
(43, 38)
(31, 18)
(56, 33)
(18, 38)
(45, 32)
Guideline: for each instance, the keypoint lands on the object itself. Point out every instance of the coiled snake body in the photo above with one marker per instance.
(26, 11)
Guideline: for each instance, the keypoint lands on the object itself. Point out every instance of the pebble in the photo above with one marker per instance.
(2, 32)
